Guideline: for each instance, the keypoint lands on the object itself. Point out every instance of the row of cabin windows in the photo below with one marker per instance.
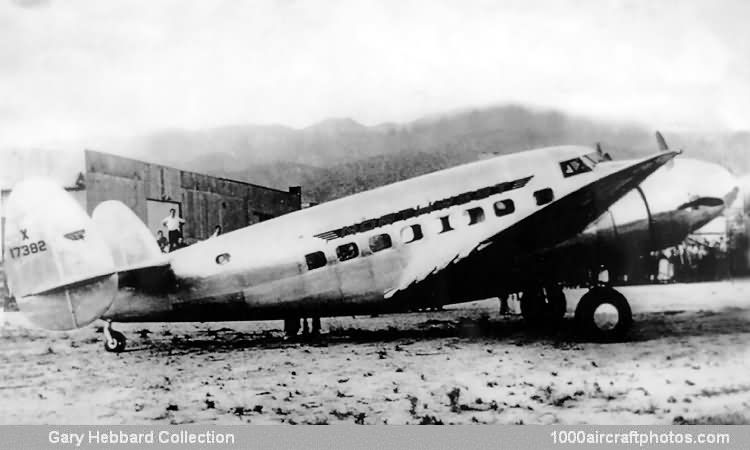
(414, 232)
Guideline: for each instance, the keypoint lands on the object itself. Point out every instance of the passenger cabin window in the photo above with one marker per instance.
(476, 215)
(315, 260)
(446, 224)
(544, 196)
(347, 251)
(504, 207)
(411, 233)
(380, 242)
(573, 167)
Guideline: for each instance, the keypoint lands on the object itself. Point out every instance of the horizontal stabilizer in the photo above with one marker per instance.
(68, 284)
(131, 243)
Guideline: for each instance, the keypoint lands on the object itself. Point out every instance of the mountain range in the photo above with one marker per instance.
(337, 157)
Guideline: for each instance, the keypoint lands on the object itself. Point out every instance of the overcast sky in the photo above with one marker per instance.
(72, 69)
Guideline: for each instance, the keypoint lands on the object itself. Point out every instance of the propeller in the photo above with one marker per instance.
(663, 147)
(602, 156)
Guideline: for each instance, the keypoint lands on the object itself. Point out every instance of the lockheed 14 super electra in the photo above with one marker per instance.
(470, 232)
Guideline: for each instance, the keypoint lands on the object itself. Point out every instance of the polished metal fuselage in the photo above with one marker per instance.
(260, 272)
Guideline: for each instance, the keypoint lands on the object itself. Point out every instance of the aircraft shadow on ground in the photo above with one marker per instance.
(647, 327)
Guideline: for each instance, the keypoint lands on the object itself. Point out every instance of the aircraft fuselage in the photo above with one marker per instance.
(275, 269)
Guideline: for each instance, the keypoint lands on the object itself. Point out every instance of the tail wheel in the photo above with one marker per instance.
(543, 306)
(115, 342)
(603, 314)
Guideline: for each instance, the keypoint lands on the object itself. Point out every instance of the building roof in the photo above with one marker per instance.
(63, 166)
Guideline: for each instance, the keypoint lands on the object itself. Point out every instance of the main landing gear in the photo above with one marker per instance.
(603, 314)
(292, 327)
(114, 341)
(543, 305)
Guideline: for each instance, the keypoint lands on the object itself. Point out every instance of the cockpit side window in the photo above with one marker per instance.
(573, 167)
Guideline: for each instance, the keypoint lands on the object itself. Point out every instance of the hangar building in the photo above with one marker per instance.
(151, 190)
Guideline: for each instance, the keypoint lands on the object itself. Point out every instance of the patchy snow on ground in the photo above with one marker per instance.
(687, 360)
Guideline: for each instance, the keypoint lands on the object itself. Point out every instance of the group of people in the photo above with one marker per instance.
(697, 259)
(692, 261)
(174, 239)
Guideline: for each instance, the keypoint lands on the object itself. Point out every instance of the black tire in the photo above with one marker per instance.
(119, 342)
(543, 306)
(585, 321)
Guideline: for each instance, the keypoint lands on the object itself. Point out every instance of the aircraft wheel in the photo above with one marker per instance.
(114, 341)
(603, 314)
(543, 306)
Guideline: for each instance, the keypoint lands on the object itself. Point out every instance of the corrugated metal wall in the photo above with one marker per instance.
(206, 201)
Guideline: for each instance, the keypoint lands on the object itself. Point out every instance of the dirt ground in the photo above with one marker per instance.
(687, 361)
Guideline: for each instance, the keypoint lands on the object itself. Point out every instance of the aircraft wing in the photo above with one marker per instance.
(453, 249)
(555, 222)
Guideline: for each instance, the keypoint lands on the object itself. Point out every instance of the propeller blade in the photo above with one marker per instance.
(602, 156)
(663, 147)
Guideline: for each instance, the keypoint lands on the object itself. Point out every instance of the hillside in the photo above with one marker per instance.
(345, 160)
(339, 156)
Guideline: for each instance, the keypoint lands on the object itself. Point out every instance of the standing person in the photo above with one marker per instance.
(504, 309)
(173, 223)
(663, 274)
(161, 241)
(217, 232)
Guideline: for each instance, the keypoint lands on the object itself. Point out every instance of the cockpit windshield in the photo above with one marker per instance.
(585, 163)
(574, 167)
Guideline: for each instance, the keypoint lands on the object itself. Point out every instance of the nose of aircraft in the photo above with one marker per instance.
(691, 184)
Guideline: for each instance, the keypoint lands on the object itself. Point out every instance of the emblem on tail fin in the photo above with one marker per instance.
(76, 235)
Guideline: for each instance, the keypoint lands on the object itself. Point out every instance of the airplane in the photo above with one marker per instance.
(446, 237)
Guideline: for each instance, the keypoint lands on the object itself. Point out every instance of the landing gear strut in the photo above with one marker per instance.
(603, 314)
(315, 326)
(543, 305)
(114, 341)
(292, 327)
